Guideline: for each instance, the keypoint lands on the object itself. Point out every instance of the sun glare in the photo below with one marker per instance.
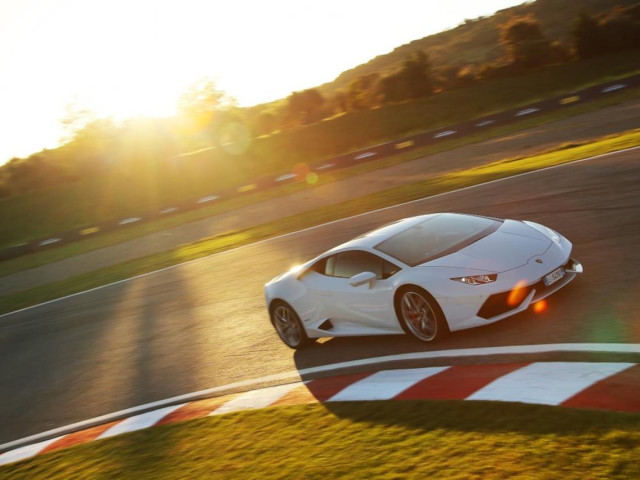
(122, 58)
(143, 99)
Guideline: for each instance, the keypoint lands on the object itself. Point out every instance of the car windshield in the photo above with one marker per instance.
(437, 236)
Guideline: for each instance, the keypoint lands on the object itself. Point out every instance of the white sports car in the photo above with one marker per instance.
(424, 275)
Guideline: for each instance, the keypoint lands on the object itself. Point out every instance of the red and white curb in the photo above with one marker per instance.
(603, 385)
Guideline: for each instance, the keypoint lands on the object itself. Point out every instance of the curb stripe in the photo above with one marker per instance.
(384, 385)
(255, 399)
(298, 396)
(617, 392)
(76, 438)
(25, 452)
(579, 384)
(457, 382)
(138, 422)
(548, 383)
(197, 409)
(325, 388)
(632, 348)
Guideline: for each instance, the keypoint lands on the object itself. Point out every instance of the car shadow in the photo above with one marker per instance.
(451, 413)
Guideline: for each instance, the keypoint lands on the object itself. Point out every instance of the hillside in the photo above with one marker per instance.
(476, 41)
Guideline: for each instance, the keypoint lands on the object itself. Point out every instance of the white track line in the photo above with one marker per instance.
(49, 241)
(324, 225)
(210, 198)
(287, 376)
(364, 155)
(446, 133)
(384, 385)
(527, 111)
(287, 176)
(547, 383)
(127, 221)
(613, 88)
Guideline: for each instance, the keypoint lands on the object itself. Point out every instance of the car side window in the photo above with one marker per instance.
(348, 264)
(319, 267)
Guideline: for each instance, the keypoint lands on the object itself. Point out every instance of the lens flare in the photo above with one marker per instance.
(540, 307)
(301, 170)
(312, 178)
(234, 138)
(517, 294)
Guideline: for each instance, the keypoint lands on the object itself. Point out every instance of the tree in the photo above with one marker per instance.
(89, 150)
(526, 46)
(339, 102)
(265, 123)
(361, 94)
(417, 76)
(413, 80)
(391, 88)
(25, 175)
(620, 31)
(306, 106)
(201, 100)
(586, 35)
(466, 75)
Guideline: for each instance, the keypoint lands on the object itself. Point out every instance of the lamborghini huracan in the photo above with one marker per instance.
(425, 276)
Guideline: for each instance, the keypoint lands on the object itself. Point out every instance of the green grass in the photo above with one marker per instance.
(103, 240)
(386, 440)
(433, 186)
(160, 182)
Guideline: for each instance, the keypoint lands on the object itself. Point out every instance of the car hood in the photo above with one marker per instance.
(509, 247)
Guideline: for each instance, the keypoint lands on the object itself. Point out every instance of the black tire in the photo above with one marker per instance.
(420, 315)
(288, 325)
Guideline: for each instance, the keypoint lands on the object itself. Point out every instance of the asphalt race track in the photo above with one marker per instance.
(204, 324)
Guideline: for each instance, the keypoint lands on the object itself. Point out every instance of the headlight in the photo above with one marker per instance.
(477, 279)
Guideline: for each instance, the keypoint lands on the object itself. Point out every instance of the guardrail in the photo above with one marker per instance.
(341, 161)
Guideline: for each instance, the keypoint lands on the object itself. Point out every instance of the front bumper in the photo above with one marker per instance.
(502, 304)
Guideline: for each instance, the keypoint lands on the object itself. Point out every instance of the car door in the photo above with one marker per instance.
(369, 306)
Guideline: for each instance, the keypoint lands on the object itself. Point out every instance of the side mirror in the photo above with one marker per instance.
(362, 278)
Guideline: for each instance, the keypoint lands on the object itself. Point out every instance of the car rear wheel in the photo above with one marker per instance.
(420, 315)
(288, 325)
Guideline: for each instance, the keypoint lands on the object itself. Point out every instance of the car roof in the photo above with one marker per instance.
(370, 239)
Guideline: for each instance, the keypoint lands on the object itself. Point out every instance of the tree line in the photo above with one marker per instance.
(525, 48)
(209, 117)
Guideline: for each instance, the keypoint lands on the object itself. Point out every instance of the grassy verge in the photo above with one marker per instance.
(128, 189)
(408, 439)
(435, 185)
(57, 253)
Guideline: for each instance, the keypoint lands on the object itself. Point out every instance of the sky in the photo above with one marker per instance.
(125, 58)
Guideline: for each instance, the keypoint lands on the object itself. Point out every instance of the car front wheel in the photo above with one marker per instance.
(288, 325)
(420, 315)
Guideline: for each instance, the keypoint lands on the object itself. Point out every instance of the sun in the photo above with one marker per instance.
(125, 89)
(133, 99)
